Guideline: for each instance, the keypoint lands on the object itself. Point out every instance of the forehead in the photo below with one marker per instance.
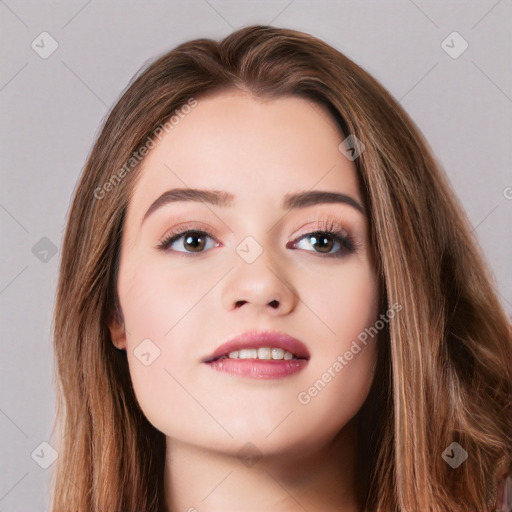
(258, 150)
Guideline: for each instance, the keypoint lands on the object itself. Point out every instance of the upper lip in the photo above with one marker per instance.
(256, 339)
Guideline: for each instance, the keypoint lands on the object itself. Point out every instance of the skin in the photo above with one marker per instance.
(258, 150)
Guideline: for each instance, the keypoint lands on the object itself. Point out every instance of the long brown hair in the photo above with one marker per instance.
(445, 359)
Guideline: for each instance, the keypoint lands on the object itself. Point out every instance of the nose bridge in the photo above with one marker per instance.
(259, 277)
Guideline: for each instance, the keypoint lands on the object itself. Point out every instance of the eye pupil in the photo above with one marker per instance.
(322, 241)
(189, 241)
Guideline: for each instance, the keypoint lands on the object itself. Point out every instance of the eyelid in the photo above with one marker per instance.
(190, 225)
(325, 222)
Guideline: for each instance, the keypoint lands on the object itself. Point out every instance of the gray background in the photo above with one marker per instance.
(51, 110)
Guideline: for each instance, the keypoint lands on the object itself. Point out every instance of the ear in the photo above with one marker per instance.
(117, 331)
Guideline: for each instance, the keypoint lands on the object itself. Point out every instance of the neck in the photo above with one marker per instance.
(204, 480)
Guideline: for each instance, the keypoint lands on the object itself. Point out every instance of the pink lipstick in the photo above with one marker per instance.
(260, 355)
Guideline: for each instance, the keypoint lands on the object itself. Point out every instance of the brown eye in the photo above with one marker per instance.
(330, 243)
(194, 242)
(322, 242)
(190, 241)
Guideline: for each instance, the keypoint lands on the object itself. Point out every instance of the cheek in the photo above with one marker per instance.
(159, 310)
(340, 377)
(154, 300)
(344, 301)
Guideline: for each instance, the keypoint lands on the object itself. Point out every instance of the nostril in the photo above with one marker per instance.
(240, 303)
(274, 303)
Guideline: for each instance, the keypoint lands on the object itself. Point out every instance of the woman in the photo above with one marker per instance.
(270, 299)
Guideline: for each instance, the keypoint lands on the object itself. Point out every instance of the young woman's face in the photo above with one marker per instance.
(262, 266)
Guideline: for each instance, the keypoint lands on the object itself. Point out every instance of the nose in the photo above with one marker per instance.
(261, 286)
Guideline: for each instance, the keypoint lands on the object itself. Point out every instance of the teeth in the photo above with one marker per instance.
(277, 353)
(248, 353)
(261, 353)
(264, 353)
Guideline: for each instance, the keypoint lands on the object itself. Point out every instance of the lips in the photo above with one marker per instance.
(259, 339)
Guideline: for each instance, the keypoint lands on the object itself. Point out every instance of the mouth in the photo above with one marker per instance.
(261, 345)
(261, 355)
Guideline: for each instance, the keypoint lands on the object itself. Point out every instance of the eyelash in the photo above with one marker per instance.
(327, 227)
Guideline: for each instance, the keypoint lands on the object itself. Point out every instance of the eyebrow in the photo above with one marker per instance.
(225, 199)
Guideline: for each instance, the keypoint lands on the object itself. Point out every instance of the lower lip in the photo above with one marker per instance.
(259, 368)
